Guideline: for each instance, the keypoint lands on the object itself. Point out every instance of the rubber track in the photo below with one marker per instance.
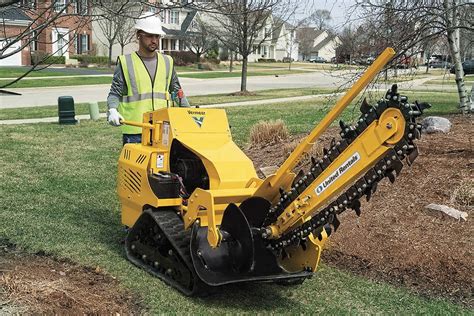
(172, 227)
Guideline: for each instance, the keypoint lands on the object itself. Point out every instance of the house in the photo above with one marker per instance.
(15, 22)
(175, 24)
(69, 34)
(284, 39)
(264, 46)
(317, 43)
(278, 43)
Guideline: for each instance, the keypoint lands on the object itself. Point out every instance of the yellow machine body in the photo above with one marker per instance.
(206, 133)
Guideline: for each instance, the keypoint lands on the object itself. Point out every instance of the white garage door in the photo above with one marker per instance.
(13, 60)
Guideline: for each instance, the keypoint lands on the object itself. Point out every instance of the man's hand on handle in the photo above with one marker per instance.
(114, 117)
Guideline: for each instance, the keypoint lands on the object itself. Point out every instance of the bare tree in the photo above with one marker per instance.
(320, 19)
(305, 37)
(112, 19)
(406, 25)
(126, 32)
(199, 40)
(247, 24)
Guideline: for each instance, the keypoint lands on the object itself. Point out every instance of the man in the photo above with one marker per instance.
(143, 81)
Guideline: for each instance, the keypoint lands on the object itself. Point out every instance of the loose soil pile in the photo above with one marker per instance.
(396, 239)
(34, 284)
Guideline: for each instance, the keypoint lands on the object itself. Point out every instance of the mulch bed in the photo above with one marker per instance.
(35, 284)
(396, 239)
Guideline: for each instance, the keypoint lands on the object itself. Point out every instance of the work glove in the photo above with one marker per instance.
(114, 117)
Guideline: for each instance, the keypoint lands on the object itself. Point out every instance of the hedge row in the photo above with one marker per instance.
(267, 60)
(43, 58)
(88, 59)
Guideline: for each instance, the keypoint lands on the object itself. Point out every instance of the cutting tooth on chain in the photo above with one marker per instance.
(356, 207)
(391, 176)
(336, 223)
(412, 156)
(365, 106)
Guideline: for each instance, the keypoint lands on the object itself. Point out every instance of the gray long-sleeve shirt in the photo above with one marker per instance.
(119, 86)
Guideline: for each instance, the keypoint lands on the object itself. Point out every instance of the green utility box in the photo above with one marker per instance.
(66, 112)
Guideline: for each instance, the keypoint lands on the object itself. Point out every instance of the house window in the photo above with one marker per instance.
(34, 41)
(153, 9)
(82, 45)
(173, 44)
(268, 32)
(81, 6)
(30, 4)
(59, 5)
(174, 17)
(166, 16)
(164, 44)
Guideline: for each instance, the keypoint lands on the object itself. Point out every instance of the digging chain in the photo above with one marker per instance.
(389, 166)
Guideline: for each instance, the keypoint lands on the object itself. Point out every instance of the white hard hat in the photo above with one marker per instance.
(149, 23)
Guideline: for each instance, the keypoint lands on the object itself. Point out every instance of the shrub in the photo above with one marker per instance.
(88, 59)
(224, 54)
(206, 66)
(45, 58)
(267, 132)
(266, 60)
(183, 58)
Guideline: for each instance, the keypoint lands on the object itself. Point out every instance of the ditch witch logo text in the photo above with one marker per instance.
(199, 118)
(337, 173)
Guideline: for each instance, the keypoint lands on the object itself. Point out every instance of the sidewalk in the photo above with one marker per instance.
(222, 105)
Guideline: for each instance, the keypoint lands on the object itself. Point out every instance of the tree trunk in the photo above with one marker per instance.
(122, 48)
(243, 82)
(451, 16)
(231, 61)
(110, 54)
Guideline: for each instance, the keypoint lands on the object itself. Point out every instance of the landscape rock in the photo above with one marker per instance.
(434, 124)
(268, 171)
(448, 210)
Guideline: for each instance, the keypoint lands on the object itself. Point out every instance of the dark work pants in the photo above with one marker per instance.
(131, 138)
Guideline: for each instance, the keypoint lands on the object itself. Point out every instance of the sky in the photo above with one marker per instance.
(340, 11)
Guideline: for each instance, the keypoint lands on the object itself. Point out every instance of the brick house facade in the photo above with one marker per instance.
(67, 31)
(69, 34)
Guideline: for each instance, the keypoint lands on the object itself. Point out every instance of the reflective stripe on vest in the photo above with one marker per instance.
(143, 95)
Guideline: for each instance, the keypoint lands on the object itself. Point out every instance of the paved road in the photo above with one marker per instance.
(49, 96)
(192, 87)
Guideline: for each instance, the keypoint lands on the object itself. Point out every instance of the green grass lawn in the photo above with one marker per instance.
(58, 196)
(468, 81)
(13, 72)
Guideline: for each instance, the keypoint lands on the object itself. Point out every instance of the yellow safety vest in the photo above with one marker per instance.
(143, 95)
